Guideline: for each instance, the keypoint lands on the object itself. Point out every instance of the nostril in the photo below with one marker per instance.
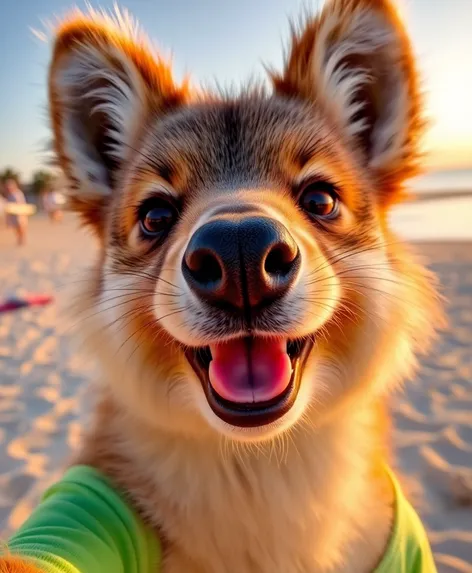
(280, 260)
(204, 267)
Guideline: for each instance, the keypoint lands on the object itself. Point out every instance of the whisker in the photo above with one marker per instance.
(149, 323)
(406, 283)
(112, 307)
(147, 275)
(334, 259)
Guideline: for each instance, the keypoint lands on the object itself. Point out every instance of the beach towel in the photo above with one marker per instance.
(14, 303)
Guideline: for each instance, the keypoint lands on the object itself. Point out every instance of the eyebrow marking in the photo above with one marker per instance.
(317, 168)
(158, 189)
(166, 172)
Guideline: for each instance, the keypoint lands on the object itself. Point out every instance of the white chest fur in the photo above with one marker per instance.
(302, 505)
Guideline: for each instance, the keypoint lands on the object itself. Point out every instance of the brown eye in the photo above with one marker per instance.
(156, 218)
(319, 199)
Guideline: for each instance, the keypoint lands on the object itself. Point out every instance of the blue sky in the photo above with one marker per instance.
(228, 40)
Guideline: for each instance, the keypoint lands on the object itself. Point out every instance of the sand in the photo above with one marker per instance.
(42, 380)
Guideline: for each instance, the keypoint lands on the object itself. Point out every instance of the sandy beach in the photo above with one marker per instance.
(42, 380)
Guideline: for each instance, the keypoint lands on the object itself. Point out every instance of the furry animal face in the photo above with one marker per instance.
(247, 282)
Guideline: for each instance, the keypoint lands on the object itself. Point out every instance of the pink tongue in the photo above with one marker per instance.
(248, 371)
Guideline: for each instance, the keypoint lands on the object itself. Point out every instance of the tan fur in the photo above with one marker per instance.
(308, 493)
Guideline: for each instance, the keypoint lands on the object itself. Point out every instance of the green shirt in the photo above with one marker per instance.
(84, 526)
(408, 550)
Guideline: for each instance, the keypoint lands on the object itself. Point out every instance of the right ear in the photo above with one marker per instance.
(105, 86)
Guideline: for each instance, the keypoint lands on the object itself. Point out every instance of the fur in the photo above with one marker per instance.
(12, 564)
(307, 493)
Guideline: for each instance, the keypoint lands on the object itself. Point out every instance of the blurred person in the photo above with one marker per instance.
(17, 221)
(52, 204)
(3, 212)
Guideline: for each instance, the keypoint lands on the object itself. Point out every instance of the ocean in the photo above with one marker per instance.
(448, 180)
(442, 219)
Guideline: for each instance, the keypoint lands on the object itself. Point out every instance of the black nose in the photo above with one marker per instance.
(240, 263)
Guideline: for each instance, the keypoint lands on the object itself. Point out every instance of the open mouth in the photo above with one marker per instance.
(251, 381)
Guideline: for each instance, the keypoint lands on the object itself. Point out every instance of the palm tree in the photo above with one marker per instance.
(9, 173)
(41, 181)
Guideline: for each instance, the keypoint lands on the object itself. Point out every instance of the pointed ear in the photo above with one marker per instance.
(105, 85)
(356, 61)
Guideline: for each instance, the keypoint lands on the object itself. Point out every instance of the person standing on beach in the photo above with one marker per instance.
(52, 204)
(18, 222)
(3, 211)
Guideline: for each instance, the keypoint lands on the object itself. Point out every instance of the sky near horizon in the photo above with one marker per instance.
(228, 41)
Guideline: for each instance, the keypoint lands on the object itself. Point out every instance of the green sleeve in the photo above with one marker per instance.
(84, 526)
(409, 550)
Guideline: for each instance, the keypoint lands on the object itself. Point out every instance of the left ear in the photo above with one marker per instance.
(356, 61)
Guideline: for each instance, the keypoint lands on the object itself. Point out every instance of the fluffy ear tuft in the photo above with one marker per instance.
(356, 61)
(105, 84)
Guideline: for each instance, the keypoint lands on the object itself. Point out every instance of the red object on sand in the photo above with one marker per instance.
(28, 300)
